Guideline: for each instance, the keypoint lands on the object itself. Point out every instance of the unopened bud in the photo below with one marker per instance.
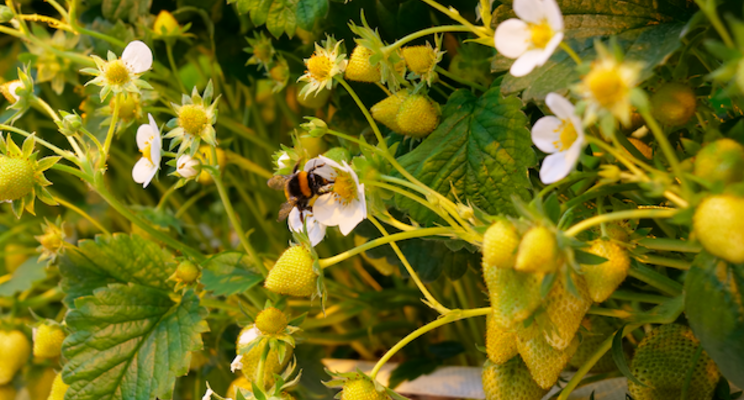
(5, 14)
(166, 24)
(70, 124)
(187, 167)
(315, 127)
(186, 272)
(466, 212)
(609, 173)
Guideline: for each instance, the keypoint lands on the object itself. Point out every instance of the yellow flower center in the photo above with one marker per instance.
(116, 73)
(345, 188)
(567, 137)
(319, 67)
(541, 34)
(192, 119)
(146, 152)
(263, 52)
(606, 86)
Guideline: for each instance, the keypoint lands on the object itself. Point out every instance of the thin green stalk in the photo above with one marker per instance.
(82, 213)
(640, 297)
(165, 196)
(111, 130)
(571, 53)
(451, 316)
(172, 62)
(664, 262)
(665, 244)
(11, 32)
(666, 148)
(618, 215)
(573, 178)
(482, 32)
(709, 9)
(248, 165)
(423, 232)
(261, 367)
(461, 80)
(64, 154)
(389, 49)
(609, 312)
(655, 279)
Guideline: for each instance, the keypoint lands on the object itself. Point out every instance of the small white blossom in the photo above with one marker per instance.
(12, 87)
(561, 136)
(315, 230)
(344, 206)
(150, 144)
(533, 37)
(284, 161)
(248, 336)
(187, 166)
(236, 363)
(208, 394)
(122, 75)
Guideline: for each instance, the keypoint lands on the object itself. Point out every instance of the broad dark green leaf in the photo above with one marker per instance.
(309, 11)
(482, 149)
(260, 11)
(715, 310)
(130, 342)
(118, 259)
(24, 278)
(229, 273)
(125, 9)
(282, 18)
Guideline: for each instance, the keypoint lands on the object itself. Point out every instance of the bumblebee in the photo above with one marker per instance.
(301, 188)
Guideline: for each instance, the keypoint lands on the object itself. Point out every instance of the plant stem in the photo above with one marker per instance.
(64, 154)
(666, 148)
(571, 53)
(172, 62)
(82, 213)
(665, 244)
(327, 262)
(455, 15)
(618, 215)
(663, 261)
(111, 130)
(640, 297)
(709, 9)
(451, 316)
(458, 79)
(424, 32)
(655, 279)
(248, 165)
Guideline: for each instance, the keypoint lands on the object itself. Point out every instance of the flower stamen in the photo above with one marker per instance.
(319, 66)
(567, 136)
(192, 119)
(541, 34)
(344, 188)
(607, 86)
(117, 73)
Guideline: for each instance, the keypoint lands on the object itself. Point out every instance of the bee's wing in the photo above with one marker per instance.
(286, 209)
(277, 182)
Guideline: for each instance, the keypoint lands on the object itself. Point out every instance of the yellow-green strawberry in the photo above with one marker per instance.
(500, 243)
(673, 104)
(418, 116)
(663, 360)
(718, 224)
(510, 381)
(271, 321)
(39, 383)
(537, 251)
(15, 349)
(7, 392)
(59, 388)
(251, 358)
(544, 362)
(361, 389)
(603, 279)
(720, 161)
(242, 383)
(293, 273)
(386, 111)
(16, 178)
(501, 344)
(419, 59)
(514, 295)
(617, 232)
(565, 311)
(48, 340)
(359, 68)
(597, 330)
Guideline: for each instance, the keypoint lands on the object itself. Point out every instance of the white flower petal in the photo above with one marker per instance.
(527, 62)
(144, 171)
(512, 38)
(554, 15)
(549, 49)
(529, 10)
(560, 106)
(145, 135)
(315, 230)
(353, 214)
(137, 56)
(327, 170)
(555, 167)
(236, 363)
(248, 336)
(12, 87)
(545, 132)
(186, 166)
(283, 161)
(208, 394)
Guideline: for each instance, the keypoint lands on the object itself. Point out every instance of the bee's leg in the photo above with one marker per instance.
(316, 167)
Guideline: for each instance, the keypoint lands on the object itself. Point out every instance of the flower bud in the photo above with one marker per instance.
(315, 127)
(187, 167)
(5, 14)
(70, 124)
(166, 24)
(186, 272)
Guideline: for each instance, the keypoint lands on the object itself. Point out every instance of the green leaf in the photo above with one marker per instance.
(282, 18)
(618, 354)
(130, 342)
(260, 11)
(715, 311)
(24, 278)
(482, 149)
(649, 44)
(229, 273)
(309, 11)
(118, 259)
(583, 257)
(125, 9)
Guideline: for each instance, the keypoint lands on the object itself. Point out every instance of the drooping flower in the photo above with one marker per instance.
(299, 219)
(607, 87)
(322, 66)
(344, 206)
(194, 122)
(119, 75)
(187, 167)
(150, 144)
(261, 50)
(8, 90)
(52, 239)
(561, 136)
(533, 37)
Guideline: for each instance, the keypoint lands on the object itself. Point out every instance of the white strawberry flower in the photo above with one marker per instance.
(187, 167)
(149, 143)
(533, 37)
(561, 136)
(344, 206)
(236, 363)
(122, 75)
(208, 394)
(315, 230)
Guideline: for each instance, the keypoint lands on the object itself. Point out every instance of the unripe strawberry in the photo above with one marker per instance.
(718, 224)
(359, 68)
(7, 392)
(603, 279)
(361, 389)
(510, 381)
(16, 178)
(544, 362)
(386, 111)
(537, 252)
(242, 383)
(273, 364)
(293, 273)
(187, 272)
(642, 147)
(501, 344)
(673, 104)
(721, 161)
(565, 311)
(48, 341)
(40, 382)
(662, 361)
(165, 24)
(15, 348)
(419, 59)
(313, 100)
(59, 388)
(597, 330)
(500, 244)
(418, 116)
(514, 295)
(271, 321)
